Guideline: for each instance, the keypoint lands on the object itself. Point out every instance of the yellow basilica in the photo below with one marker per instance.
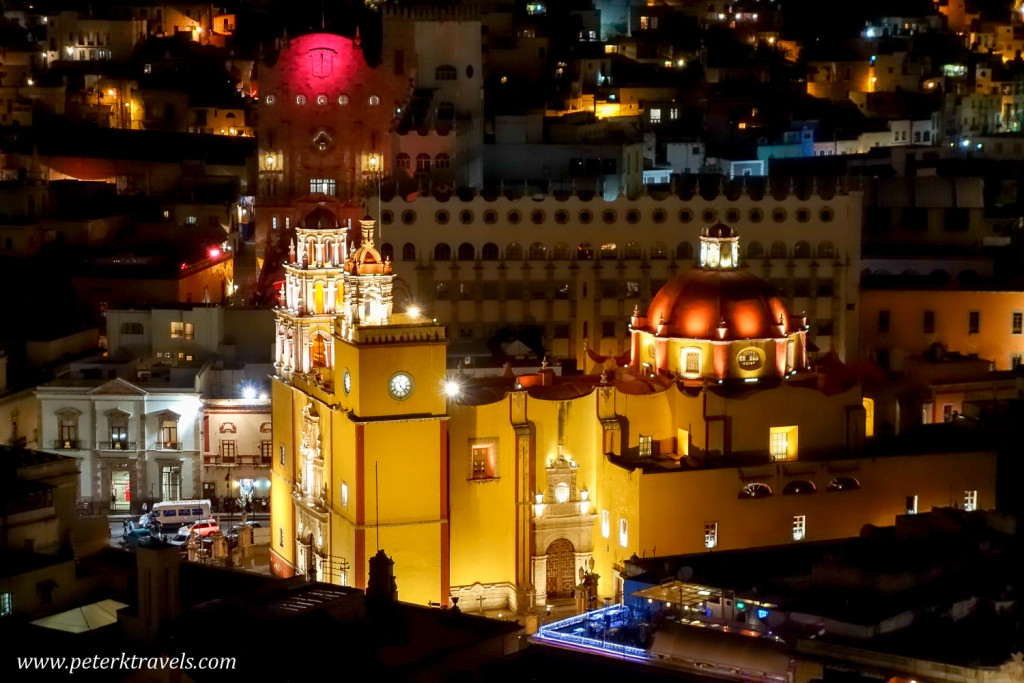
(505, 491)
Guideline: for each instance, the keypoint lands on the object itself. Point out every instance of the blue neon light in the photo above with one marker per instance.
(762, 614)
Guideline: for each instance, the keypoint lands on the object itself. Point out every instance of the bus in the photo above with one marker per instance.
(171, 514)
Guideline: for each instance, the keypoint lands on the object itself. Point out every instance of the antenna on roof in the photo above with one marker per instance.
(376, 502)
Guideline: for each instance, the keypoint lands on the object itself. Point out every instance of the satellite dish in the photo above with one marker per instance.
(684, 573)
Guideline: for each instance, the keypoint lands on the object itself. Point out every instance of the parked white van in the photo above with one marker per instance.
(178, 513)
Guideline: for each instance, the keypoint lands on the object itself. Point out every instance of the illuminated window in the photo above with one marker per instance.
(484, 460)
(344, 495)
(322, 186)
(646, 446)
(606, 523)
(782, 442)
(191, 220)
(180, 330)
(1017, 323)
(869, 416)
(799, 527)
(318, 353)
(6, 604)
(710, 535)
(170, 482)
(911, 505)
(623, 532)
(970, 501)
(691, 363)
(655, 115)
(169, 436)
(273, 223)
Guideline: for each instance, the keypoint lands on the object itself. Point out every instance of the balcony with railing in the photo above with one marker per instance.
(116, 445)
(166, 446)
(220, 460)
(68, 445)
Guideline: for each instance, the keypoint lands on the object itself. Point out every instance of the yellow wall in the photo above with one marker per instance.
(282, 478)
(407, 456)
(994, 340)
(675, 506)
(483, 513)
(372, 366)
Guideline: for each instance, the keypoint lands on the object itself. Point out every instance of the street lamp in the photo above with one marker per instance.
(374, 170)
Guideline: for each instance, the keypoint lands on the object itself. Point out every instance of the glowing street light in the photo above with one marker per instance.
(413, 311)
(452, 389)
(248, 391)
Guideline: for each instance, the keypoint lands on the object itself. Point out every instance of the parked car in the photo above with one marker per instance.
(203, 527)
(137, 537)
(178, 539)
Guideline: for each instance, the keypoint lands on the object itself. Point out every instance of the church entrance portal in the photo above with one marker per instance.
(561, 569)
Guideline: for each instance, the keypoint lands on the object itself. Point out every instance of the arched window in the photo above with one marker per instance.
(442, 160)
(755, 490)
(403, 161)
(538, 252)
(466, 252)
(826, 250)
(489, 252)
(445, 111)
(755, 250)
(800, 487)
(584, 252)
(609, 250)
(659, 251)
(802, 250)
(387, 252)
(632, 250)
(779, 249)
(513, 252)
(408, 251)
(442, 252)
(562, 252)
(445, 72)
(318, 353)
(843, 484)
(422, 163)
(684, 250)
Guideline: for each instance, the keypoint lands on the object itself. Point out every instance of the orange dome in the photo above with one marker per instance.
(695, 304)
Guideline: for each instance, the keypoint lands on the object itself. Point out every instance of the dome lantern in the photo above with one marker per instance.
(719, 248)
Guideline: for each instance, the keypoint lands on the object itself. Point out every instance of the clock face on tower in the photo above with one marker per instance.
(347, 382)
(400, 386)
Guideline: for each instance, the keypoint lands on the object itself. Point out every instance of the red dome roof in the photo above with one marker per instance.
(694, 304)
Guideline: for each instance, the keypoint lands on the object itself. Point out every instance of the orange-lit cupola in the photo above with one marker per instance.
(718, 321)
